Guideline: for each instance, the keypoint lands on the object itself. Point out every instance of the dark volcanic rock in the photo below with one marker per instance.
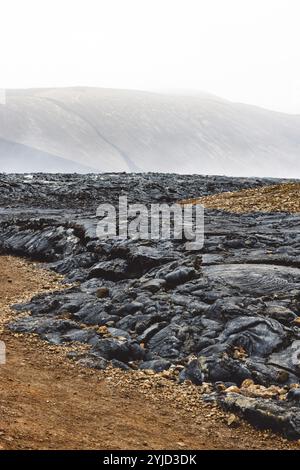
(158, 365)
(154, 285)
(114, 270)
(227, 312)
(121, 349)
(257, 336)
(264, 413)
(180, 276)
(192, 372)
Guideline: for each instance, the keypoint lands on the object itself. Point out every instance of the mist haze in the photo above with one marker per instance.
(89, 86)
(103, 130)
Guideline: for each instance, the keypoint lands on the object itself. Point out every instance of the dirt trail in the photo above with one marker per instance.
(48, 402)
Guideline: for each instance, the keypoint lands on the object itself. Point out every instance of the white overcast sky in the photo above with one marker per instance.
(243, 50)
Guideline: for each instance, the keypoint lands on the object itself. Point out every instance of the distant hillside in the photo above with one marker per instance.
(94, 129)
(18, 158)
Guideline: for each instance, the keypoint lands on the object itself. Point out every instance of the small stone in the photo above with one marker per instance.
(149, 372)
(220, 387)
(102, 292)
(168, 374)
(247, 383)
(294, 386)
(206, 388)
(233, 389)
(180, 276)
(180, 444)
(188, 382)
(239, 353)
(154, 285)
(103, 330)
(282, 376)
(294, 394)
(233, 421)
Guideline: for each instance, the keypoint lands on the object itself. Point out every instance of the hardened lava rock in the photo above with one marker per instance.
(225, 314)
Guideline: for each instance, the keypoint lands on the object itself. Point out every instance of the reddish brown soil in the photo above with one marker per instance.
(276, 198)
(48, 402)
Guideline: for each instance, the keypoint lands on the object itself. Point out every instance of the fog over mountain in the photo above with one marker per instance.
(19, 158)
(93, 129)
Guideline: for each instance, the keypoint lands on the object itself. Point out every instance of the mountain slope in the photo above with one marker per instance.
(118, 130)
(18, 158)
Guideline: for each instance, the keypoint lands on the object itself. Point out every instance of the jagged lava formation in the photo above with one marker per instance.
(225, 314)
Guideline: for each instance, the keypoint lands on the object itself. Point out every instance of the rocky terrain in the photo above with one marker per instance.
(45, 395)
(271, 198)
(225, 315)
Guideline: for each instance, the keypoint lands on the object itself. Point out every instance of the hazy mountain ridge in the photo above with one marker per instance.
(117, 130)
(24, 159)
